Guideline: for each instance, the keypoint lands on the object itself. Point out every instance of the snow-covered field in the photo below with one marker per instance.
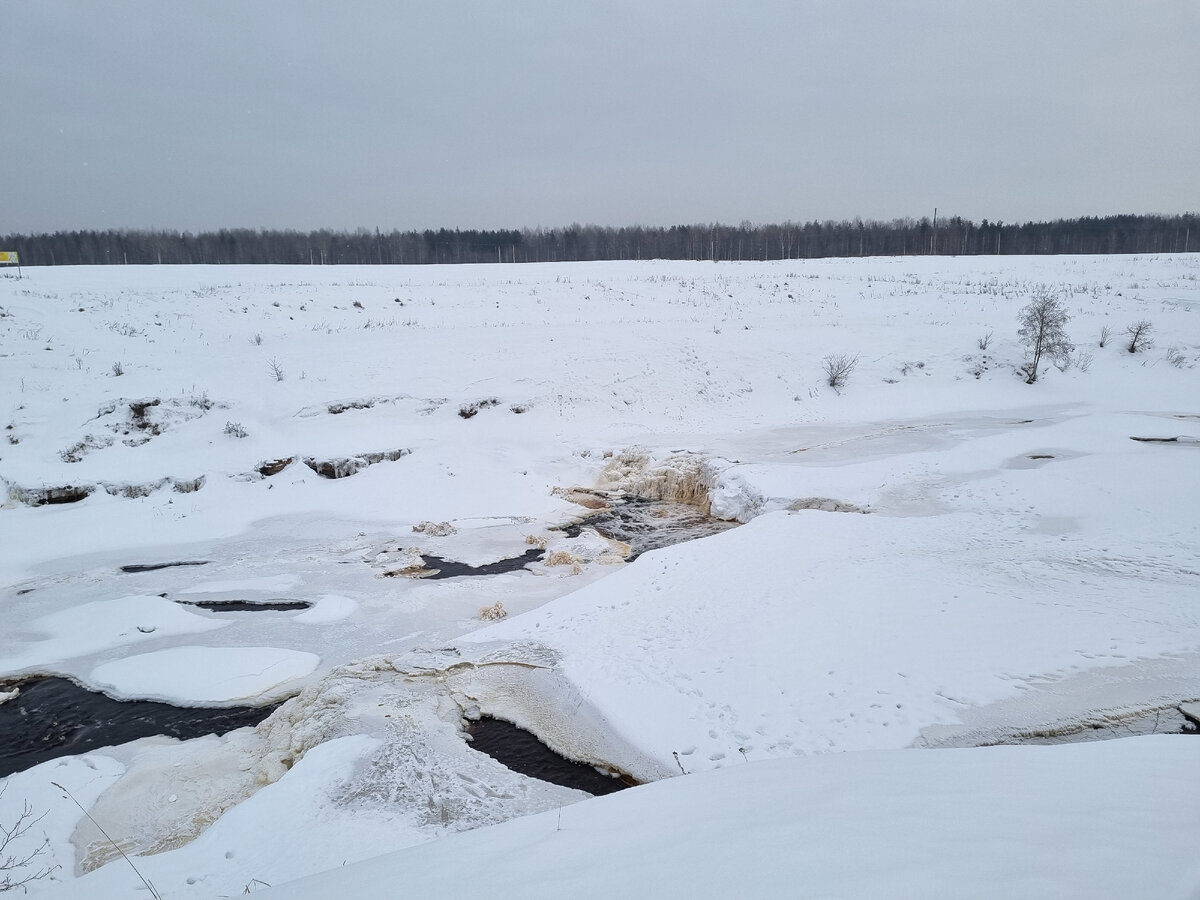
(937, 555)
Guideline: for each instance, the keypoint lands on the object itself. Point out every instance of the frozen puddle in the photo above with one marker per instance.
(522, 752)
(53, 717)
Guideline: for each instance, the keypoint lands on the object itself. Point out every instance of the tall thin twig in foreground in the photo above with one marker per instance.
(153, 891)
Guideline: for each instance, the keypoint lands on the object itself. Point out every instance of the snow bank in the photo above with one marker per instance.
(1109, 820)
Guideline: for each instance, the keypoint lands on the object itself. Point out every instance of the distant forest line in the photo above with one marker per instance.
(953, 236)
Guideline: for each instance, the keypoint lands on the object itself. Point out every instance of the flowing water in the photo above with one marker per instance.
(53, 717)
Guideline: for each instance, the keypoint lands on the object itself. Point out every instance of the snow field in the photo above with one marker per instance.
(1006, 560)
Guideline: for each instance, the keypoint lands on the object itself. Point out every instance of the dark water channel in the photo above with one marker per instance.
(247, 605)
(650, 524)
(448, 568)
(154, 567)
(54, 717)
(523, 752)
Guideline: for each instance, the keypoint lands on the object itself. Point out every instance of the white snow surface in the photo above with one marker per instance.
(936, 555)
(205, 676)
(994, 822)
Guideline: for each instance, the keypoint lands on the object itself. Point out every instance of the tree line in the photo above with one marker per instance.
(953, 236)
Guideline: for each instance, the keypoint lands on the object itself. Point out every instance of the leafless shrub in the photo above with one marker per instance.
(838, 368)
(1139, 336)
(985, 341)
(1105, 334)
(118, 370)
(22, 862)
(1175, 356)
(1083, 361)
(257, 339)
(235, 429)
(150, 887)
(276, 369)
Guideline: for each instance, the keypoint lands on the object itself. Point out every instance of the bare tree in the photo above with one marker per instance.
(1043, 330)
(837, 368)
(1139, 336)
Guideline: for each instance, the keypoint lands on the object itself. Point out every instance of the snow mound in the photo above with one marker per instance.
(206, 676)
(1001, 822)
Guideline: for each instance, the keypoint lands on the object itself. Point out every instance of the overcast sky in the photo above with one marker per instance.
(395, 114)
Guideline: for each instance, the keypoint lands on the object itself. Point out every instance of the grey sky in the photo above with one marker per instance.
(263, 113)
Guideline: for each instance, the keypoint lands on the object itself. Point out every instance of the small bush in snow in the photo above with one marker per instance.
(257, 339)
(235, 429)
(1175, 357)
(838, 368)
(1139, 336)
(118, 370)
(276, 369)
(1105, 334)
(985, 341)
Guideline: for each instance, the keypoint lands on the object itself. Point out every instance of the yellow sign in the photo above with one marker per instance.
(8, 257)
